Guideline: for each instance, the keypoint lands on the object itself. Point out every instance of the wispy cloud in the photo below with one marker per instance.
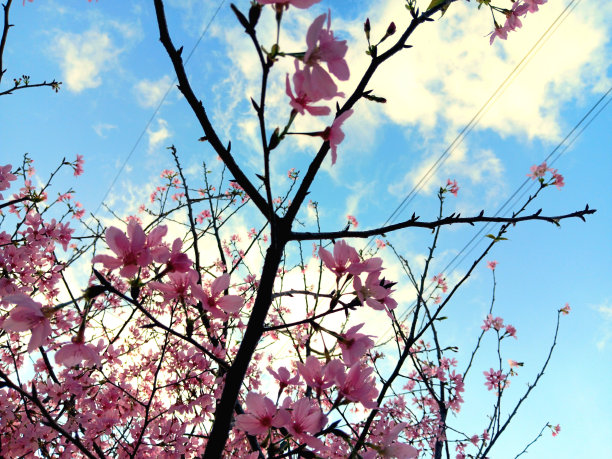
(158, 136)
(101, 129)
(84, 57)
(149, 93)
(605, 313)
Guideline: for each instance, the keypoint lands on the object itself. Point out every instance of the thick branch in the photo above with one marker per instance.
(5, 30)
(352, 100)
(450, 220)
(200, 113)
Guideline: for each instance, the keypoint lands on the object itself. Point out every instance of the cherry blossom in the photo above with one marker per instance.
(323, 47)
(354, 345)
(532, 5)
(538, 171)
(317, 376)
(302, 419)
(283, 376)
(5, 178)
(78, 165)
(496, 323)
(494, 379)
(334, 134)
(262, 415)
(452, 186)
(388, 446)
(219, 306)
(492, 265)
(374, 292)
(343, 258)
(358, 385)
(501, 32)
(73, 353)
(565, 310)
(306, 95)
(28, 315)
(131, 251)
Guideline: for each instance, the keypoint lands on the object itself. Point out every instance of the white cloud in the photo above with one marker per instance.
(452, 70)
(605, 311)
(101, 129)
(149, 93)
(157, 137)
(84, 57)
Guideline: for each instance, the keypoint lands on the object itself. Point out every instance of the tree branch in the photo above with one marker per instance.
(450, 220)
(198, 109)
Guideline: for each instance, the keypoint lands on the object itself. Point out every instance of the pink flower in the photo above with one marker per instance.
(511, 331)
(512, 17)
(494, 379)
(175, 260)
(284, 377)
(441, 280)
(374, 292)
(261, 416)
(219, 306)
(344, 256)
(389, 447)
(131, 251)
(74, 353)
(352, 221)
(302, 419)
(323, 47)
(514, 363)
(559, 181)
(555, 430)
(178, 286)
(334, 134)
(538, 171)
(305, 94)
(317, 376)
(497, 323)
(78, 165)
(491, 265)
(454, 188)
(354, 345)
(28, 315)
(565, 310)
(357, 385)
(501, 32)
(297, 3)
(532, 5)
(5, 178)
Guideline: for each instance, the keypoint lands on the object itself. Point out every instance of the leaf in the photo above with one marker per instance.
(241, 18)
(435, 3)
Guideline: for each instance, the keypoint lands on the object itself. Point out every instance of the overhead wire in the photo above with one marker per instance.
(474, 121)
(560, 151)
(480, 113)
(156, 111)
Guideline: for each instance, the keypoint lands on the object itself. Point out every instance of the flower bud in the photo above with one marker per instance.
(366, 28)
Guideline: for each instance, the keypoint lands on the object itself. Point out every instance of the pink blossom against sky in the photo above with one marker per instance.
(114, 73)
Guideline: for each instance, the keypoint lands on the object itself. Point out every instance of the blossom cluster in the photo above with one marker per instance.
(539, 171)
(519, 9)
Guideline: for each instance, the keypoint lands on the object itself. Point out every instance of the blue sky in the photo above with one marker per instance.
(115, 71)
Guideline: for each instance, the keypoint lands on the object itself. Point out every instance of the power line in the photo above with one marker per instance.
(481, 112)
(156, 111)
(527, 181)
